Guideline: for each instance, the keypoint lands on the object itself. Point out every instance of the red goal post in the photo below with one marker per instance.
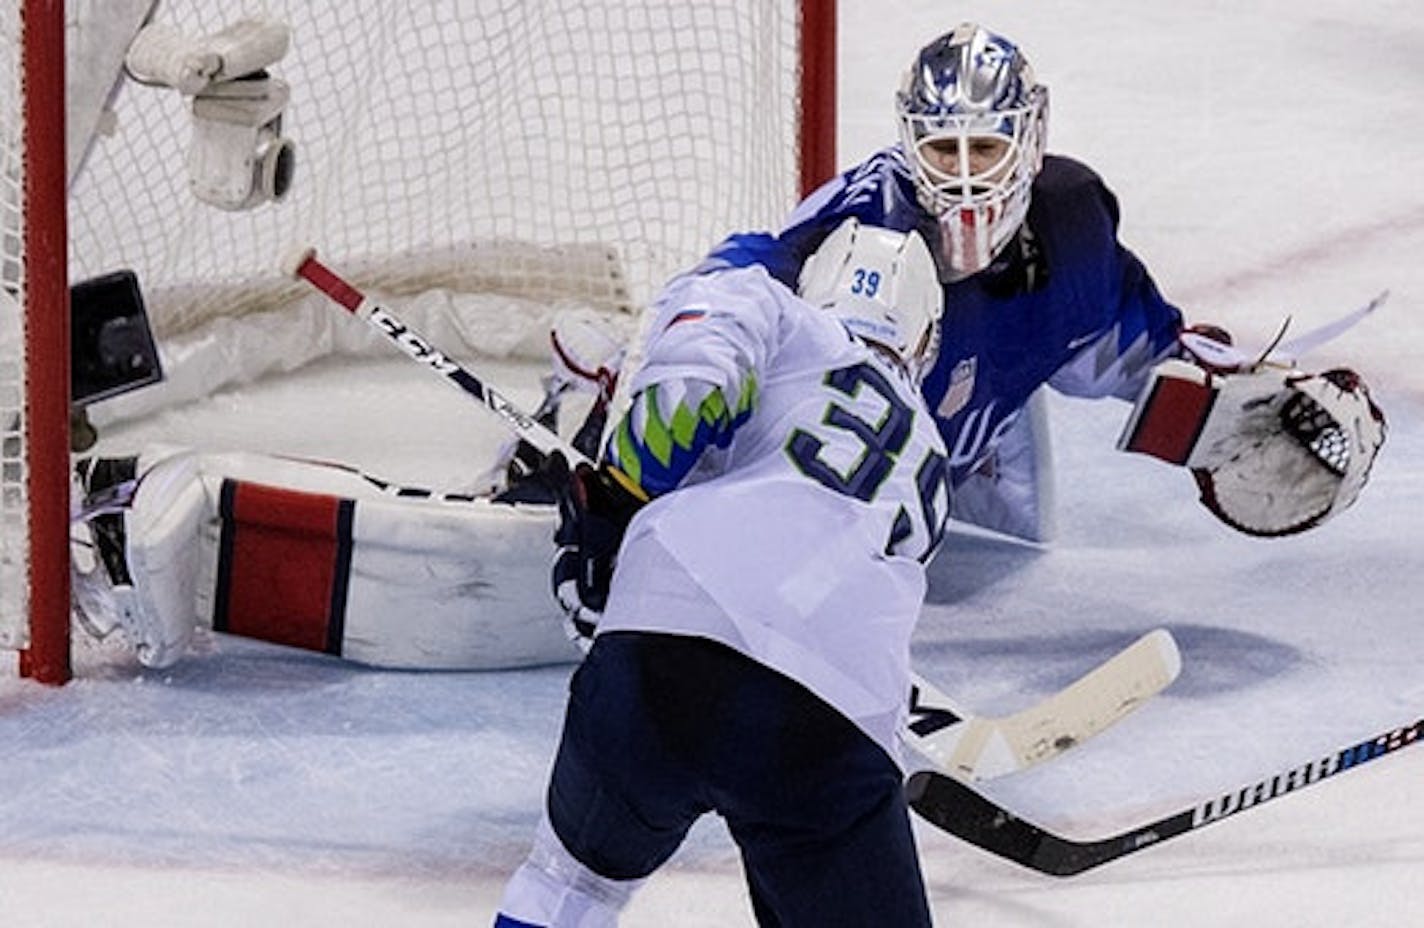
(573, 149)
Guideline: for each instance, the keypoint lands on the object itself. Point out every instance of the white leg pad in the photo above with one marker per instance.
(427, 585)
(158, 611)
(431, 585)
(1014, 492)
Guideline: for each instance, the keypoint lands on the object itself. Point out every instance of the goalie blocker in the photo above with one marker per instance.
(1274, 451)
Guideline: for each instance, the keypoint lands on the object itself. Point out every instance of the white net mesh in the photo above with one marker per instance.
(549, 152)
(13, 515)
(433, 137)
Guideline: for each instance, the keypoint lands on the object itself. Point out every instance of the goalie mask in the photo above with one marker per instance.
(972, 126)
(1274, 452)
(883, 287)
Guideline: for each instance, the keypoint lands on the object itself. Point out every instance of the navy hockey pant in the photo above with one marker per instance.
(661, 728)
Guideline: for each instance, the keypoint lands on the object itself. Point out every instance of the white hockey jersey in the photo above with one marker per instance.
(802, 543)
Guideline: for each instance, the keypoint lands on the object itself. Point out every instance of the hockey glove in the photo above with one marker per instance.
(1274, 451)
(594, 511)
(529, 477)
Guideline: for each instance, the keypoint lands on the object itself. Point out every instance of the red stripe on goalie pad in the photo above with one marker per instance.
(1172, 418)
(284, 565)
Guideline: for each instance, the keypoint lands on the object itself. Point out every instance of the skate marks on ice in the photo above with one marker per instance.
(252, 756)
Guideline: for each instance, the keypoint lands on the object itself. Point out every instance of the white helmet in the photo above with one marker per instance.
(966, 87)
(883, 287)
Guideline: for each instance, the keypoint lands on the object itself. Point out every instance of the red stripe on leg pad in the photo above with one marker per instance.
(1172, 419)
(284, 562)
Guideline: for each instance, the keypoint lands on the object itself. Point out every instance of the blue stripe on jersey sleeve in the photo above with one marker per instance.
(669, 426)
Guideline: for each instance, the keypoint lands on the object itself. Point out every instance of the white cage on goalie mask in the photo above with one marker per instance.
(967, 88)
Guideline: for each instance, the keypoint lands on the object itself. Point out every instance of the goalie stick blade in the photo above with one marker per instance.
(962, 745)
(959, 810)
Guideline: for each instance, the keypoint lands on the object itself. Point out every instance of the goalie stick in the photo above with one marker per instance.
(958, 742)
(969, 747)
(1282, 353)
(961, 811)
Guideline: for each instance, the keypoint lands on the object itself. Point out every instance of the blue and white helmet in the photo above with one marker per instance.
(971, 94)
(883, 287)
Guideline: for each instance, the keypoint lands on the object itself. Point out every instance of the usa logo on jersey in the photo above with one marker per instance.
(961, 388)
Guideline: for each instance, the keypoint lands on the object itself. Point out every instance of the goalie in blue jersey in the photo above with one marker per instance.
(782, 487)
(1039, 291)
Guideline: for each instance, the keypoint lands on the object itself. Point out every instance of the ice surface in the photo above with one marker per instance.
(1267, 157)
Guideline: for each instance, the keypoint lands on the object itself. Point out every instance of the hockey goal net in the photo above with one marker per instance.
(550, 150)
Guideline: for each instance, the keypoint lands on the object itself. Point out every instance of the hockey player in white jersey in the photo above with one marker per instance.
(753, 654)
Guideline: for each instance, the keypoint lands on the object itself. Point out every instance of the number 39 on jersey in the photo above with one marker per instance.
(868, 446)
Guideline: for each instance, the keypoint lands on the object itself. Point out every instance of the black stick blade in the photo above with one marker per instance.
(953, 807)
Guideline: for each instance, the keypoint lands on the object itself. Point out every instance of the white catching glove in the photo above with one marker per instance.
(1274, 451)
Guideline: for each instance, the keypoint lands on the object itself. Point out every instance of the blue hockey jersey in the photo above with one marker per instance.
(1065, 304)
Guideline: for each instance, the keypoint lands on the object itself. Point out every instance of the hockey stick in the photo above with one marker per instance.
(304, 264)
(967, 747)
(1293, 348)
(960, 743)
(964, 813)
(1278, 352)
